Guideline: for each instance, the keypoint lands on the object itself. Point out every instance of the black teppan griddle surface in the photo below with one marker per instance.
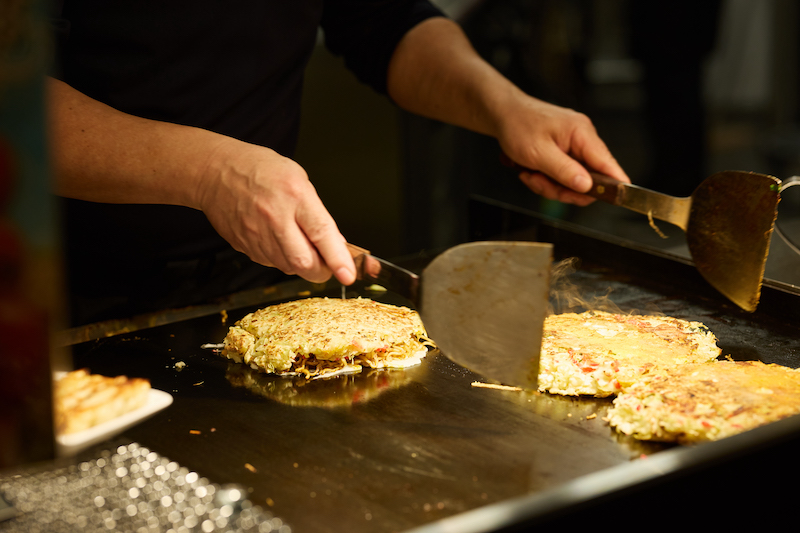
(422, 448)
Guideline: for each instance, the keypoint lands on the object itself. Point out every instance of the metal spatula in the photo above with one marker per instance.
(728, 221)
(482, 303)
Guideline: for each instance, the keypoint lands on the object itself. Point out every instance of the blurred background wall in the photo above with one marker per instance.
(678, 90)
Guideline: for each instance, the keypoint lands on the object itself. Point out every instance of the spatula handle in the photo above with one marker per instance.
(606, 188)
(355, 251)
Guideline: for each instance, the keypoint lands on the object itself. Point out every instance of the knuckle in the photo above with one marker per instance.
(302, 263)
(532, 155)
(321, 230)
(296, 187)
(582, 119)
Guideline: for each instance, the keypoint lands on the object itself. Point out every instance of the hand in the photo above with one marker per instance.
(435, 72)
(558, 144)
(264, 205)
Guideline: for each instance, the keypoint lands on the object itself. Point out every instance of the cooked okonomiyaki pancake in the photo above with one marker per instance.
(601, 354)
(321, 336)
(707, 401)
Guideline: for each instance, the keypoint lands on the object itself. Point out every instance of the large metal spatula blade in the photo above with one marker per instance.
(730, 226)
(728, 221)
(482, 303)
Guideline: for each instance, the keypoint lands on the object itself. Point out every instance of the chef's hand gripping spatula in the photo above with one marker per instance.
(728, 221)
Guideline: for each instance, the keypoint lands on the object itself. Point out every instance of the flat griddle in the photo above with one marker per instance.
(423, 450)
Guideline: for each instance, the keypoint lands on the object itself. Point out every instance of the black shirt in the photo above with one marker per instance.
(231, 66)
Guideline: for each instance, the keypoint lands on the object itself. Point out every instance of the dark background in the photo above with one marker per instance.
(678, 90)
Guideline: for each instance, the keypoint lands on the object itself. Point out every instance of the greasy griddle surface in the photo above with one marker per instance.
(372, 453)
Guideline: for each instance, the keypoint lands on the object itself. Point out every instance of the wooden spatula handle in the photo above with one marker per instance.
(606, 188)
(355, 251)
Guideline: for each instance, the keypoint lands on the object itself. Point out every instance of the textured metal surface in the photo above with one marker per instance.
(384, 451)
(394, 451)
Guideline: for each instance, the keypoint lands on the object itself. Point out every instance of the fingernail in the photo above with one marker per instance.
(345, 275)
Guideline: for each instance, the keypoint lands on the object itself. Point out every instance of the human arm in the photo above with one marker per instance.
(436, 73)
(261, 202)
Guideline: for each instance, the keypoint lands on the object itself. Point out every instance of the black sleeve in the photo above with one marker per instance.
(366, 33)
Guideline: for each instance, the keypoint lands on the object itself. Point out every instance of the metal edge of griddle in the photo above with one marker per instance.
(640, 488)
(518, 222)
(273, 293)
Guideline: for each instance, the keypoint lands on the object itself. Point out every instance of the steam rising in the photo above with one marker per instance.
(567, 297)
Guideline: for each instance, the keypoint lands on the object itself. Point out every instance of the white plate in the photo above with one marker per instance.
(74, 442)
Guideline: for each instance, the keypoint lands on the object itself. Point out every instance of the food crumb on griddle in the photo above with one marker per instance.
(482, 385)
(376, 288)
(212, 346)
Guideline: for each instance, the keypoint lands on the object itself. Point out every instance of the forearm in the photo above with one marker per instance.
(259, 201)
(103, 155)
(436, 73)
